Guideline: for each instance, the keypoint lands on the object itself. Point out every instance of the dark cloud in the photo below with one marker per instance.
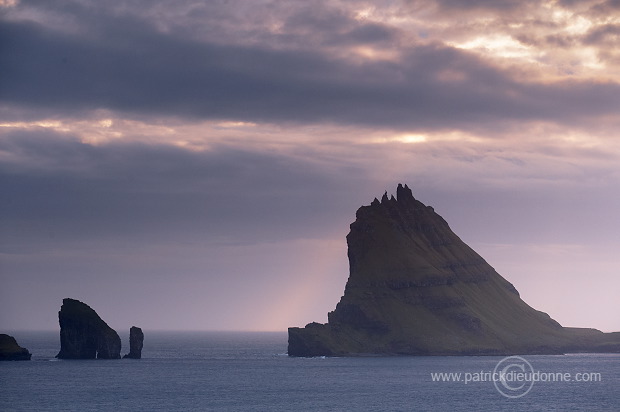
(318, 25)
(58, 189)
(371, 33)
(608, 33)
(596, 8)
(129, 66)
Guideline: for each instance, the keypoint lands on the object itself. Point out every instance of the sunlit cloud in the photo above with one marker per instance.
(51, 124)
(578, 25)
(106, 123)
(499, 45)
(364, 14)
(405, 138)
(230, 125)
(371, 53)
(8, 3)
(412, 138)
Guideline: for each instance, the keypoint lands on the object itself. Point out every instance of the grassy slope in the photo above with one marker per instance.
(416, 288)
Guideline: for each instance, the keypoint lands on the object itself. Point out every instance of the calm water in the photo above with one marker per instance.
(250, 371)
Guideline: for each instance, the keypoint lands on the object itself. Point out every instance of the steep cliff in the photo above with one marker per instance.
(84, 335)
(416, 288)
(10, 349)
(136, 342)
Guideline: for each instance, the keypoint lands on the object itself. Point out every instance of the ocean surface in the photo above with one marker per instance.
(225, 371)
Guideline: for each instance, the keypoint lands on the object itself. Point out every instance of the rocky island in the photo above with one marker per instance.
(136, 342)
(84, 335)
(415, 288)
(10, 349)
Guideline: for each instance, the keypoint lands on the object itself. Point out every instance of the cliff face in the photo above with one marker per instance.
(416, 288)
(11, 351)
(136, 342)
(84, 335)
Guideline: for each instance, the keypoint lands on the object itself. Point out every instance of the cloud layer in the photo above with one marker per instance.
(306, 67)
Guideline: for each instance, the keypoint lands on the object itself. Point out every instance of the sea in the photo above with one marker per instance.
(250, 371)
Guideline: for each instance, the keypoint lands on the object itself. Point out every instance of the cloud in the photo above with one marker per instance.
(57, 188)
(128, 65)
(494, 5)
(607, 32)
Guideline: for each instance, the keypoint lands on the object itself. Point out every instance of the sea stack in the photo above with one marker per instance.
(415, 288)
(10, 349)
(136, 341)
(84, 335)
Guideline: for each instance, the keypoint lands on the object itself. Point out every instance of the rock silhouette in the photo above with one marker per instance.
(84, 335)
(136, 342)
(415, 288)
(10, 349)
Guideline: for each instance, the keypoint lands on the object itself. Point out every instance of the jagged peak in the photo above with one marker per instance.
(403, 194)
(384, 198)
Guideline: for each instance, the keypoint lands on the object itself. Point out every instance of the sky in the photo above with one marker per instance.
(195, 165)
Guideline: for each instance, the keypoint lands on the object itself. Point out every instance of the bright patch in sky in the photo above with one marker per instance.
(411, 138)
(499, 45)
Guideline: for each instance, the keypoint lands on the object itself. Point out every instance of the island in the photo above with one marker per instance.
(136, 342)
(415, 288)
(10, 349)
(84, 335)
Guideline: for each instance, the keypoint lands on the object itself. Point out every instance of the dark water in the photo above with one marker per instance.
(250, 371)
